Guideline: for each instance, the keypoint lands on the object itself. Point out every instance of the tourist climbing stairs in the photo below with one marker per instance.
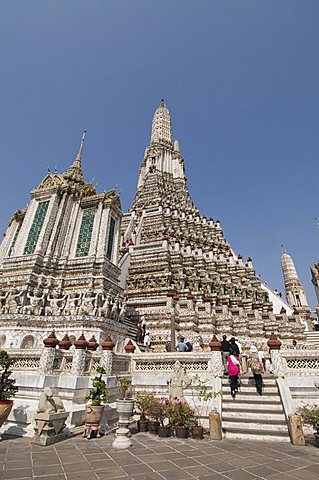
(251, 416)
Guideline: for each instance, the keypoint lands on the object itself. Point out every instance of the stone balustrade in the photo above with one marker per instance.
(299, 362)
(54, 361)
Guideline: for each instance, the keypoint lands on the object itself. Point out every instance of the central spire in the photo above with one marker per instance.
(75, 172)
(161, 125)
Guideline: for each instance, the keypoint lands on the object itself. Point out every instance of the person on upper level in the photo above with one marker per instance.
(234, 346)
(225, 349)
(181, 346)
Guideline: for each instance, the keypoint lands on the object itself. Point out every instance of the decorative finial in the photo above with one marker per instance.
(49, 171)
(82, 143)
(283, 249)
(162, 103)
(317, 223)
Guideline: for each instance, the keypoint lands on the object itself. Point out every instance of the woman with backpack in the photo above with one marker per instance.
(257, 368)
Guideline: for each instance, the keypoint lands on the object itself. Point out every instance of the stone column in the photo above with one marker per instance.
(216, 357)
(277, 361)
(107, 355)
(48, 354)
(78, 362)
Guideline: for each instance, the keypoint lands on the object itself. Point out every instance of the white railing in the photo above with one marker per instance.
(300, 362)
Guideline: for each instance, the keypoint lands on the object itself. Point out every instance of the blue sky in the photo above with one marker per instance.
(240, 79)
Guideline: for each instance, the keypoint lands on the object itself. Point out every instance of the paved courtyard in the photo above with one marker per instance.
(152, 458)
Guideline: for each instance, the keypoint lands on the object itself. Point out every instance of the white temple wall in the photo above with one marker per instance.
(26, 225)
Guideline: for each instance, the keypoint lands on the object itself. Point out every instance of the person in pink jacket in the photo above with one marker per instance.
(233, 372)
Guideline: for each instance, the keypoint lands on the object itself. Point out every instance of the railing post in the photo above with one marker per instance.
(216, 357)
(48, 354)
(107, 355)
(78, 362)
(277, 362)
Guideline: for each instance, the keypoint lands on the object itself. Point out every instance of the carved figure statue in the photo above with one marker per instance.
(54, 307)
(123, 310)
(178, 381)
(72, 304)
(12, 305)
(115, 308)
(35, 306)
(3, 297)
(105, 309)
(48, 403)
(88, 302)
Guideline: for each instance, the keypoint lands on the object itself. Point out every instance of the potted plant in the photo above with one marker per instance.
(310, 416)
(97, 397)
(8, 388)
(181, 415)
(201, 396)
(142, 401)
(153, 412)
(163, 407)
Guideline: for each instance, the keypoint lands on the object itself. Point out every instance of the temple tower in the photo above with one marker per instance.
(58, 260)
(295, 293)
(178, 269)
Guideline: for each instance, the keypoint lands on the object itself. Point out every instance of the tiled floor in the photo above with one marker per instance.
(152, 458)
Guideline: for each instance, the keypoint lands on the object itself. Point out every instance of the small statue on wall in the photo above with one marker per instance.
(72, 304)
(88, 302)
(105, 309)
(3, 298)
(54, 306)
(35, 306)
(12, 305)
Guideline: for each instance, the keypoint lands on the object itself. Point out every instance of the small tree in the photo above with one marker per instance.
(142, 401)
(8, 388)
(310, 416)
(201, 392)
(125, 387)
(98, 392)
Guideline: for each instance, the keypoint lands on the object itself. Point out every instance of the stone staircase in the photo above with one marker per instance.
(131, 327)
(312, 337)
(252, 416)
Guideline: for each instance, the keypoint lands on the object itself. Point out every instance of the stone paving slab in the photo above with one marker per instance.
(153, 458)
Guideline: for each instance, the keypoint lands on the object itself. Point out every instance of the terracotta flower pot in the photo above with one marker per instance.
(5, 409)
(93, 414)
(143, 425)
(198, 432)
(181, 432)
(164, 432)
(153, 426)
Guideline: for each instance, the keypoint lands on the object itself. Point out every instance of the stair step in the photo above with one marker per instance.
(252, 391)
(249, 427)
(256, 408)
(259, 419)
(257, 437)
(252, 401)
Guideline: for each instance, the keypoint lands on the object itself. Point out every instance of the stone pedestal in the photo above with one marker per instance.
(49, 428)
(295, 430)
(215, 426)
(125, 410)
